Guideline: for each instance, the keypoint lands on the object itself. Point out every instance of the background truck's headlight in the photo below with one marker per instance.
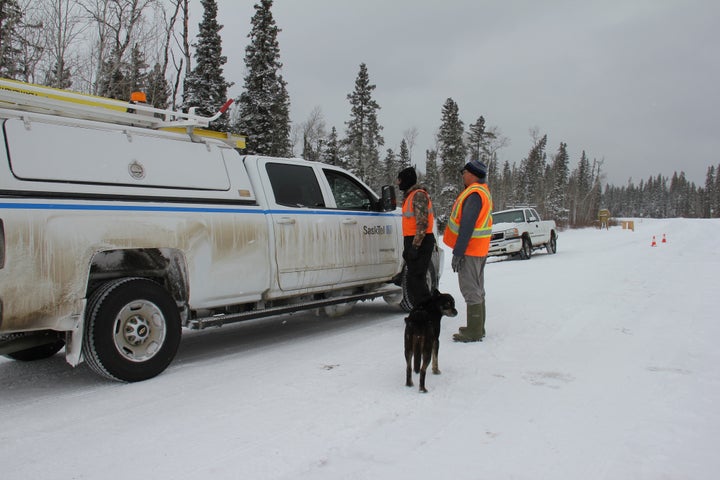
(510, 233)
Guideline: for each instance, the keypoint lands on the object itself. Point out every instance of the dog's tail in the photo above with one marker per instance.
(417, 352)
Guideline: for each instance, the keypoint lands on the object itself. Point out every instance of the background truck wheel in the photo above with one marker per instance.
(526, 250)
(432, 282)
(133, 330)
(551, 246)
(37, 353)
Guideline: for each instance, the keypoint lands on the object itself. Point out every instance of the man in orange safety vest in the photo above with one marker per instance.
(419, 241)
(468, 233)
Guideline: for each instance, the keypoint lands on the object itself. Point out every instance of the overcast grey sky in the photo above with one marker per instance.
(632, 82)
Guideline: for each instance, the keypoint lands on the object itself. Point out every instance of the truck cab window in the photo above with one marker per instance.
(295, 185)
(349, 194)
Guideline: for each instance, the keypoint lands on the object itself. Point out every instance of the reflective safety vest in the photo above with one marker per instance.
(409, 226)
(480, 241)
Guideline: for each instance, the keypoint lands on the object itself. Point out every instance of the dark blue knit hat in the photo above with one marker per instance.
(477, 168)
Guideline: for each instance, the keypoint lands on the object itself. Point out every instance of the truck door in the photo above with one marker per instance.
(533, 219)
(370, 240)
(307, 240)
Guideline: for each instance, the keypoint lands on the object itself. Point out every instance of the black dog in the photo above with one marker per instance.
(422, 335)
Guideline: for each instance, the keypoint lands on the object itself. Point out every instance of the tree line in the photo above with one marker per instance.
(114, 47)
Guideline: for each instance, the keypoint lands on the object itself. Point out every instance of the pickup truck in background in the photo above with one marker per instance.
(118, 230)
(519, 231)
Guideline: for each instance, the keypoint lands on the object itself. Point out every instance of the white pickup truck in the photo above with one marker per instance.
(519, 231)
(113, 237)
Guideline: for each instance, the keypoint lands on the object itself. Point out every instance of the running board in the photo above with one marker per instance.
(220, 320)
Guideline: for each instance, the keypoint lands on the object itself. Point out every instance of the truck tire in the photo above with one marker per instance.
(432, 282)
(551, 246)
(40, 352)
(526, 250)
(133, 330)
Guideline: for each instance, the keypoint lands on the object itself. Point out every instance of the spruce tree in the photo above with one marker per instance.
(391, 167)
(58, 76)
(404, 159)
(532, 175)
(362, 136)
(10, 18)
(264, 105)
(111, 81)
(557, 196)
(136, 75)
(158, 89)
(451, 151)
(331, 149)
(432, 176)
(476, 140)
(205, 87)
(715, 197)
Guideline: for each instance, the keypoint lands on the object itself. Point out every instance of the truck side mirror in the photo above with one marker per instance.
(387, 198)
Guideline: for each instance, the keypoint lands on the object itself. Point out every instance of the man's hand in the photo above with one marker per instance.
(410, 254)
(457, 262)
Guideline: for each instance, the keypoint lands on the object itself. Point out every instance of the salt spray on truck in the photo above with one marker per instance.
(117, 230)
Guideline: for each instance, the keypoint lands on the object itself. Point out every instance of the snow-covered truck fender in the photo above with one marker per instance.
(520, 231)
(114, 237)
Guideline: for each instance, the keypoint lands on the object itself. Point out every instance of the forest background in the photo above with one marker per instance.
(114, 47)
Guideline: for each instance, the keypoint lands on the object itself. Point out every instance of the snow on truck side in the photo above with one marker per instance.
(519, 231)
(114, 237)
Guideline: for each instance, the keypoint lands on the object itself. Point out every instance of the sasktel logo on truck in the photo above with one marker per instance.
(119, 229)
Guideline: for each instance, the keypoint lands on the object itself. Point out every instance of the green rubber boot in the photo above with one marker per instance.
(475, 330)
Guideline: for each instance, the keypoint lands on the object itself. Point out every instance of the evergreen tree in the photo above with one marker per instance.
(432, 183)
(331, 150)
(205, 87)
(58, 77)
(533, 174)
(158, 89)
(264, 105)
(557, 198)
(579, 189)
(505, 194)
(451, 151)
(136, 74)
(362, 135)
(715, 198)
(10, 52)
(479, 141)
(404, 160)
(392, 167)
(111, 81)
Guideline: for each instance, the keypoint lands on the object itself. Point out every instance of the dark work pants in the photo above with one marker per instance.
(417, 269)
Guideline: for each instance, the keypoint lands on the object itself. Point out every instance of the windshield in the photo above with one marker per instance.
(512, 216)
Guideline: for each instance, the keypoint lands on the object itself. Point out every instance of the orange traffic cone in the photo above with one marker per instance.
(653, 244)
(663, 239)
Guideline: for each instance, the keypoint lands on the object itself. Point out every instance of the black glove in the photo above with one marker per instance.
(410, 254)
(457, 262)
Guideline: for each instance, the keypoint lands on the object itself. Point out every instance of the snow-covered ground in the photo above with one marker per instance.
(601, 362)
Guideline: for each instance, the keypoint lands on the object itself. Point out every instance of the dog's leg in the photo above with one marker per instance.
(418, 341)
(426, 357)
(408, 360)
(436, 350)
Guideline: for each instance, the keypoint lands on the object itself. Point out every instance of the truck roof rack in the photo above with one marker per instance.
(54, 101)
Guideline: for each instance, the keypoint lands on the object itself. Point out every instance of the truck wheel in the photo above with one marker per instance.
(551, 246)
(40, 352)
(132, 331)
(526, 250)
(432, 282)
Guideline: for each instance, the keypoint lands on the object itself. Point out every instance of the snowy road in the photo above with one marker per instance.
(601, 362)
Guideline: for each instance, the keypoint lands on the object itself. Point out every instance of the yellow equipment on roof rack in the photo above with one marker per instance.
(54, 101)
